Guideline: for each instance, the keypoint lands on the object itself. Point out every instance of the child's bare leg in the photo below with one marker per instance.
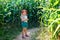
(23, 33)
(26, 32)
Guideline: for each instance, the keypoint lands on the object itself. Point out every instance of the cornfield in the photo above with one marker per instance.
(43, 13)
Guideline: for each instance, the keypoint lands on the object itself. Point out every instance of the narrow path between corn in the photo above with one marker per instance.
(30, 32)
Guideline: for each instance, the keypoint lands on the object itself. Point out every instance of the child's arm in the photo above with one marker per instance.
(23, 19)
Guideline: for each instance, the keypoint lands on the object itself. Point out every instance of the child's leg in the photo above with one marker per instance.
(23, 32)
(25, 29)
(26, 32)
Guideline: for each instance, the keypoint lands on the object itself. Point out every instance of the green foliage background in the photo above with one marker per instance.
(10, 10)
(39, 12)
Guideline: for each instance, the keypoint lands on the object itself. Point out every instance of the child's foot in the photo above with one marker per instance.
(23, 36)
(27, 35)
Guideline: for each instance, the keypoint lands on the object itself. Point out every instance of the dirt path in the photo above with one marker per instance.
(30, 32)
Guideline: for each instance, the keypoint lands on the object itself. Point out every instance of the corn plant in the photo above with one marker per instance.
(10, 16)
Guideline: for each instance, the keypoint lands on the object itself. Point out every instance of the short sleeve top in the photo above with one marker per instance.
(24, 17)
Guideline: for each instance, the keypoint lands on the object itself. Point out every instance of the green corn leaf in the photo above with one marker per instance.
(56, 3)
(53, 22)
(56, 30)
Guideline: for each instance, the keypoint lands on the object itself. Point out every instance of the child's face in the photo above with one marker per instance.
(24, 12)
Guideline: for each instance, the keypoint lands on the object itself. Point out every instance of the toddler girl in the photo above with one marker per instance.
(24, 23)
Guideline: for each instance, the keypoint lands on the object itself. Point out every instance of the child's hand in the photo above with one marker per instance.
(26, 20)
